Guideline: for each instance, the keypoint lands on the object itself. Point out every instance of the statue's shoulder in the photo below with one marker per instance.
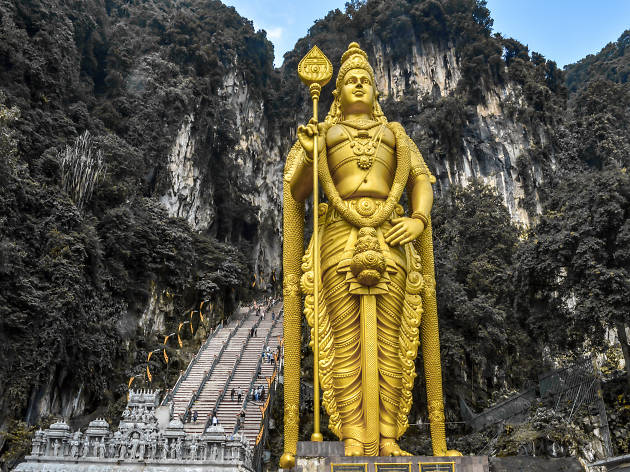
(396, 128)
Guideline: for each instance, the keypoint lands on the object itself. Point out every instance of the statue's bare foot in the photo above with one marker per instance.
(453, 453)
(389, 447)
(353, 447)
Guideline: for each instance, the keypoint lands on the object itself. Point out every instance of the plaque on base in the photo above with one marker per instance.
(328, 457)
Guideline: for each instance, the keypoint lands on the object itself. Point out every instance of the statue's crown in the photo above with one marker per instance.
(353, 58)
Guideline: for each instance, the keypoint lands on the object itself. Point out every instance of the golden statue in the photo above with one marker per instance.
(373, 267)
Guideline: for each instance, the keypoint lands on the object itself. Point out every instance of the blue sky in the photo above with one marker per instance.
(562, 30)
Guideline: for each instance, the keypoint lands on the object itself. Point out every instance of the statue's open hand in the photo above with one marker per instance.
(306, 133)
(404, 231)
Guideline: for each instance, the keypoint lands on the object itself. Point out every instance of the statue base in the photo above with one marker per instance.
(329, 456)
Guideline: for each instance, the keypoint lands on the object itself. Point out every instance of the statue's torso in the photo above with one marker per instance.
(361, 159)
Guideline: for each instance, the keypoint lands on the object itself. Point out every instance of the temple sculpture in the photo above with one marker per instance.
(373, 269)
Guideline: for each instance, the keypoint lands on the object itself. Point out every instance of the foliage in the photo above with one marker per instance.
(612, 63)
(546, 432)
(18, 437)
(601, 114)
(475, 242)
(575, 262)
(81, 167)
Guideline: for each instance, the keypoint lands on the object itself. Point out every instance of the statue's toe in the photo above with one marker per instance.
(353, 447)
(453, 453)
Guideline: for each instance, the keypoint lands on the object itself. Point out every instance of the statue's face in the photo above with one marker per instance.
(357, 92)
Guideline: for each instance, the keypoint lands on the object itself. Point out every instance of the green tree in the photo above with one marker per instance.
(574, 268)
(475, 241)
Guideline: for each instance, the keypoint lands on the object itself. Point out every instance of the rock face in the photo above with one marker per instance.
(491, 141)
(235, 195)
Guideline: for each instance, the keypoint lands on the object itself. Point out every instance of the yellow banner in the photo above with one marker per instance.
(149, 375)
(166, 339)
(260, 434)
(165, 356)
(130, 382)
(149, 356)
(179, 339)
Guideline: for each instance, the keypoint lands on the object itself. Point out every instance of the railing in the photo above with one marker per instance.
(257, 372)
(195, 395)
(184, 376)
(264, 427)
(229, 378)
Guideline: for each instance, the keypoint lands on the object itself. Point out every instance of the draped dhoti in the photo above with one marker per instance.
(361, 367)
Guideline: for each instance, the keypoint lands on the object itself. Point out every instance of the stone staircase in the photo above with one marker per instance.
(199, 367)
(253, 414)
(231, 358)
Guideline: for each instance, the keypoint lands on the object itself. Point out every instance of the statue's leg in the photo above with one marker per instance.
(343, 311)
(389, 310)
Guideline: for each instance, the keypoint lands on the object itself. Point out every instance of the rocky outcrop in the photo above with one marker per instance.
(492, 141)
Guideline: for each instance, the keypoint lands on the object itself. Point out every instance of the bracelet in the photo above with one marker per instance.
(418, 215)
(306, 160)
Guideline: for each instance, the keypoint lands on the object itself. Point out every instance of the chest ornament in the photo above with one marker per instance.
(364, 147)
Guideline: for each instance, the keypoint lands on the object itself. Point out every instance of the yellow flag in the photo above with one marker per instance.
(165, 356)
(179, 339)
(166, 339)
(130, 381)
(149, 356)
(201, 306)
(200, 316)
(149, 374)
(191, 326)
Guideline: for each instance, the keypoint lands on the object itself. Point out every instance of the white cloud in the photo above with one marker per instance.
(275, 33)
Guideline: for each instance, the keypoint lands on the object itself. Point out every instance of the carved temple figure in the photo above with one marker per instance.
(178, 448)
(86, 447)
(377, 286)
(101, 449)
(153, 440)
(165, 448)
(193, 449)
(123, 450)
(74, 445)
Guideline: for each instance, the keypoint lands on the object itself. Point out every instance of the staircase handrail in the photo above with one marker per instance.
(264, 427)
(257, 372)
(184, 376)
(229, 378)
(196, 394)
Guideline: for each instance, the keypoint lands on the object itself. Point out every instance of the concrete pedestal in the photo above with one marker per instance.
(329, 456)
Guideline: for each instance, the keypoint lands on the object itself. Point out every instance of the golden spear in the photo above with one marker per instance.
(315, 70)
